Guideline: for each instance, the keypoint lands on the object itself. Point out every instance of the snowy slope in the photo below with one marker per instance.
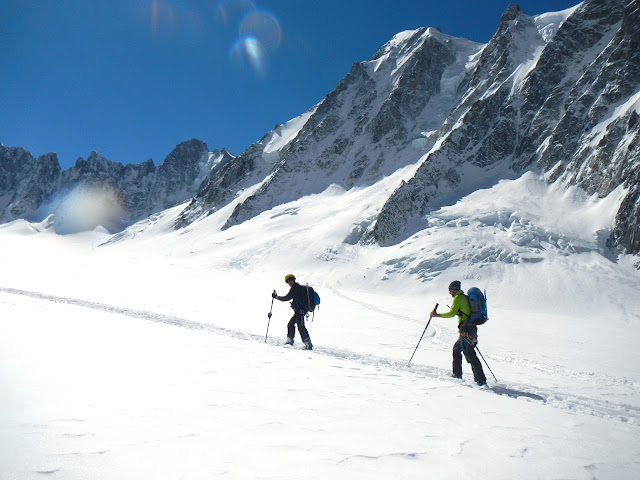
(282, 135)
(144, 355)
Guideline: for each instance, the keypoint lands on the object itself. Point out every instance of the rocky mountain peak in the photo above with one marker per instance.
(25, 182)
(372, 123)
(32, 188)
(541, 93)
(566, 108)
(189, 152)
(510, 14)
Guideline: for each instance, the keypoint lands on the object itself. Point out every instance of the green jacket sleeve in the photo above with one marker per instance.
(459, 303)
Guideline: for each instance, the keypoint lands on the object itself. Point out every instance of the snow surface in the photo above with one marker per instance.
(549, 23)
(144, 355)
(282, 135)
(599, 130)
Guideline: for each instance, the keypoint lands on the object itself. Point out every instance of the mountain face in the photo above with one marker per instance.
(25, 182)
(37, 187)
(572, 116)
(376, 120)
(557, 93)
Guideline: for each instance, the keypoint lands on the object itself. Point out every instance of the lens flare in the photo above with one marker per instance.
(229, 11)
(88, 207)
(163, 18)
(251, 51)
(155, 13)
(264, 27)
(170, 18)
(259, 33)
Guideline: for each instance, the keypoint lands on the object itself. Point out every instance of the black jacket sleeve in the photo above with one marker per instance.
(298, 294)
(288, 296)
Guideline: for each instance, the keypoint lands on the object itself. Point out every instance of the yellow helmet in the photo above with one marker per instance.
(289, 277)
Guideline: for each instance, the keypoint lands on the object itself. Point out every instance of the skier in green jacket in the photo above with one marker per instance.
(468, 334)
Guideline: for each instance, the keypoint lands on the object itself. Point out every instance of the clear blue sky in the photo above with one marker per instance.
(133, 78)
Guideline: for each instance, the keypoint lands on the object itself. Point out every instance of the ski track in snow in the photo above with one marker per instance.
(622, 412)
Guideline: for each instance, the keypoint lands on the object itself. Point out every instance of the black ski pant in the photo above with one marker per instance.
(298, 319)
(466, 346)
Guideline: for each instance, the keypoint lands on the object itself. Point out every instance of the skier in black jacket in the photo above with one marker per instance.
(300, 303)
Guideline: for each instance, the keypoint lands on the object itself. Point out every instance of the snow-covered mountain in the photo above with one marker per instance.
(557, 93)
(380, 118)
(107, 193)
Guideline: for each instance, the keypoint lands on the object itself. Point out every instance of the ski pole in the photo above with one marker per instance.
(269, 322)
(425, 329)
(485, 362)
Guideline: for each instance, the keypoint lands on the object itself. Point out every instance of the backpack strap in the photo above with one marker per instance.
(308, 299)
(460, 312)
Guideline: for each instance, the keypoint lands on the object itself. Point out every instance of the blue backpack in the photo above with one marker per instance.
(478, 306)
(313, 298)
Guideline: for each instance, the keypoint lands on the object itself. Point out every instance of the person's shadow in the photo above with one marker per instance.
(513, 393)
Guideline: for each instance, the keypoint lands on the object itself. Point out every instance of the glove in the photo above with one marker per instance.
(274, 294)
